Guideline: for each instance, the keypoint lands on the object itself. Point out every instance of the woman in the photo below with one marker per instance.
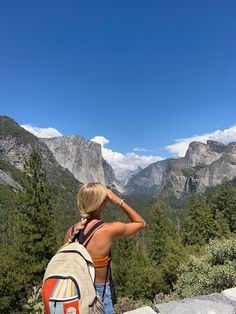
(92, 200)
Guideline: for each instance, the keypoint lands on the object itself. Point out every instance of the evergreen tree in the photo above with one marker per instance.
(144, 280)
(199, 227)
(121, 262)
(158, 233)
(222, 202)
(134, 275)
(31, 239)
(163, 248)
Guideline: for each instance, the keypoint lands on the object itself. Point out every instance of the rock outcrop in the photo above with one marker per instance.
(6, 179)
(124, 176)
(142, 310)
(80, 157)
(216, 303)
(16, 146)
(110, 177)
(204, 165)
(83, 158)
(203, 154)
(225, 166)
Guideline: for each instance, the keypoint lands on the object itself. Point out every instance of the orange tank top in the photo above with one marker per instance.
(99, 261)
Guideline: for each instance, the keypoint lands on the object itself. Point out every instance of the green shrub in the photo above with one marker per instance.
(210, 273)
(34, 303)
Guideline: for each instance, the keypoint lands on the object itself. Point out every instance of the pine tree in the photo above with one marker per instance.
(222, 202)
(134, 275)
(144, 280)
(200, 226)
(31, 238)
(121, 262)
(158, 233)
(163, 248)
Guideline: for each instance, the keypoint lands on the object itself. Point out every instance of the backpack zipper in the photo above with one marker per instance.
(66, 277)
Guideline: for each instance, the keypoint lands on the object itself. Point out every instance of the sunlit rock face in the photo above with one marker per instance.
(17, 144)
(83, 158)
(203, 166)
(124, 175)
(203, 154)
(110, 177)
(149, 179)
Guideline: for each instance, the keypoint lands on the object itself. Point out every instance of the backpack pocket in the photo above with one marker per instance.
(61, 295)
(64, 307)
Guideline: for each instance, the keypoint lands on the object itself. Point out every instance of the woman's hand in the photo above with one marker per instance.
(113, 198)
(120, 230)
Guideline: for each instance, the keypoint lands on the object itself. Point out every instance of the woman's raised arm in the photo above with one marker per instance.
(120, 230)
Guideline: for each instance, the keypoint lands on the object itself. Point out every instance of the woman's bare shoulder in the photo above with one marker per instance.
(118, 230)
(112, 225)
(109, 228)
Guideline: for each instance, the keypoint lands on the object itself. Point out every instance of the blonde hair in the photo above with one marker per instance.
(90, 198)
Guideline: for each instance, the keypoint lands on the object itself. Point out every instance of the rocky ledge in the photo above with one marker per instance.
(216, 303)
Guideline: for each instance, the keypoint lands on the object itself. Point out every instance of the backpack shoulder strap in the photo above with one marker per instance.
(84, 238)
(88, 235)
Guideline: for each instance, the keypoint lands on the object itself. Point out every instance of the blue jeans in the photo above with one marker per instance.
(107, 302)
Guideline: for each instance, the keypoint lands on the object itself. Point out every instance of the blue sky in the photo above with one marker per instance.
(141, 74)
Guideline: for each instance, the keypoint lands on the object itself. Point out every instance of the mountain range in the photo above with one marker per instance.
(73, 160)
(203, 166)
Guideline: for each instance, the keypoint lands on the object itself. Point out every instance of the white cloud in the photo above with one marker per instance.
(129, 161)
(41, 132)
(224, 136)
(141, 149)
(100, 140)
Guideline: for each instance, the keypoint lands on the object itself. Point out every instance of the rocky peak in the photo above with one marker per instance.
(202, 154)
(16, 146)
(149, 179)
(83, 158)
(203, 166)
(16, 143)
(231, 148)
(124, 175)
(216, 146)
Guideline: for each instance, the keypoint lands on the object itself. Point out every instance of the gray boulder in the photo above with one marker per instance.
(216, 303)
(142, 310)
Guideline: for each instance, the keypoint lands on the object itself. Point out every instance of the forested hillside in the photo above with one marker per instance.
(145, 267)
(173, 257)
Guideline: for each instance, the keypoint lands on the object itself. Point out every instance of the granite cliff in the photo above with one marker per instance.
(16, 145)
(76, 156)
(124, 175)
(203, 166)
(83, 158)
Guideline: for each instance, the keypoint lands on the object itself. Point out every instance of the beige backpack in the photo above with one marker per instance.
(69, 282)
